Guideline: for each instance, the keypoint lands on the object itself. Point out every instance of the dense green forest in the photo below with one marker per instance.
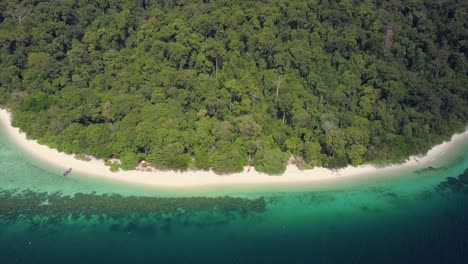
(224, 83)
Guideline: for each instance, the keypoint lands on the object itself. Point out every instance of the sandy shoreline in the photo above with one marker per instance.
(292, 174)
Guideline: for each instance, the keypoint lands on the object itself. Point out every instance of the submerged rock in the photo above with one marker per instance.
(460, 183)
(29, 204)
(464, 177)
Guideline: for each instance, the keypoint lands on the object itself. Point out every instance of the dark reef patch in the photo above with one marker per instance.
(454, 184)
(431, 169)
(42, 207)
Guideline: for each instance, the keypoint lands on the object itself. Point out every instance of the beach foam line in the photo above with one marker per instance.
(175, 179)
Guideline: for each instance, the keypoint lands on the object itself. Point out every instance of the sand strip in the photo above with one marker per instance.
(292, 175)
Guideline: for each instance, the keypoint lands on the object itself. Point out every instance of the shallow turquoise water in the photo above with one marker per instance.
(399, 217)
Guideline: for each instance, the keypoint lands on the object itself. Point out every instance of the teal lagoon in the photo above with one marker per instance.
(406, 217)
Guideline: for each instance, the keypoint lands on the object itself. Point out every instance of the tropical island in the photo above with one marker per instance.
(200, 85)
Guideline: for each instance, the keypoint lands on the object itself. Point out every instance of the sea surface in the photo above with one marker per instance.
(405, 217)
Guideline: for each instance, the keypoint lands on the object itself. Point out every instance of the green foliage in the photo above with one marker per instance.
(312, 153)
(270, 160)
(355, 154)
(202, 159)
(170, 157)
(36, 102)
(129, 160)
(228, 158)
(113, 166)
(222, 84)
(82, 157)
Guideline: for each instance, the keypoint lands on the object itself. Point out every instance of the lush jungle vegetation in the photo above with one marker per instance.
(225, 83)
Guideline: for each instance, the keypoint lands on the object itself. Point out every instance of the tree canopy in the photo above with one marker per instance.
(222, 84)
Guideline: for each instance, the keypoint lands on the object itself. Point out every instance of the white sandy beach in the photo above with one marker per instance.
(292, 175)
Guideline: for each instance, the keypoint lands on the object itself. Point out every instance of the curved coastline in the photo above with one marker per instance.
(187, 179)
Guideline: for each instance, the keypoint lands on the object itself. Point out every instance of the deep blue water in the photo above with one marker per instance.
(407, 218)
(431, 230)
